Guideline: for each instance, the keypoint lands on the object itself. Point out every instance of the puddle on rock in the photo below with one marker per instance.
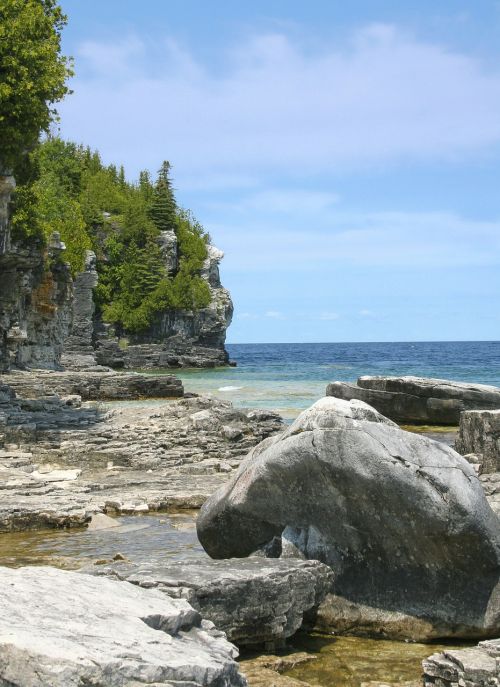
(356, 661)
(140, 538)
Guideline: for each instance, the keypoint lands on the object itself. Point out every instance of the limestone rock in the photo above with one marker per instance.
(78, 347)
(402, 520)
(418, 400)
(60, 463)
(253, 600)
(98, 385)
(477, 666)
(65, 629)
(479, 434)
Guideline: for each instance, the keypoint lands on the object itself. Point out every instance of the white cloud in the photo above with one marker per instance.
(367, 313)
(387, 96)
(275, 315)
(329, 316)
(395, 240)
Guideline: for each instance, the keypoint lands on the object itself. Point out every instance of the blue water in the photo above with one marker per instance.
(290, 377)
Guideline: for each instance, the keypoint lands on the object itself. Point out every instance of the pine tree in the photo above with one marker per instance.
(145, 185)
(121, 176)
(163, 209)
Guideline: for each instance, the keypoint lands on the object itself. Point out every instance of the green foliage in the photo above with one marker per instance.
(33, 73)
(163, 209)
(66, 188)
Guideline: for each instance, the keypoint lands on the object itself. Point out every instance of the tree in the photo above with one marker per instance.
(163, 210)
(33, 74)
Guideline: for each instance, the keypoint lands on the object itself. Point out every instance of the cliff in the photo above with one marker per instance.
(176, 338)
(50, 320)
(35, 296)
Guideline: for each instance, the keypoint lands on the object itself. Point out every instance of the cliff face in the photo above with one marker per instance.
(43, 310)
(35, 297)
(177, 338)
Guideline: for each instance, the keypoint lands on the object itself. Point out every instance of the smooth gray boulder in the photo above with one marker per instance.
(65, 629)
(401, 519)
(477, 666)
(418, 400)
(254, 600)
(479, 434)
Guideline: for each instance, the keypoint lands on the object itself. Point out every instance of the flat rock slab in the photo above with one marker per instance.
(66, 629)
(253, 600)
(418, 400)
(477, 666)
(100, 386)
(61, 462)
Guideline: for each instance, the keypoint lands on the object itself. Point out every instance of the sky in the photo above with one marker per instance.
(344, 156)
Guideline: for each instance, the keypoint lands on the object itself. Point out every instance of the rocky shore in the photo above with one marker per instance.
(93, 385)
(292, 512)
(61, 460)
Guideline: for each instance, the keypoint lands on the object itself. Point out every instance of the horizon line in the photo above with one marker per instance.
(261, 343)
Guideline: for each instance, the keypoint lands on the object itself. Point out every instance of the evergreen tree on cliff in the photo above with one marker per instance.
(33, 74)
(163, 209)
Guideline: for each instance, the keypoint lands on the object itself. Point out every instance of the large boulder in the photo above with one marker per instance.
(418, 400)
(401, 519)
(65, 629)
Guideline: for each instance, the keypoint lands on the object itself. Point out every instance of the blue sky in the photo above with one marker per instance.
(345, 156)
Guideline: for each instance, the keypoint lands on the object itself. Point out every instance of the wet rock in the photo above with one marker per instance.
(90, 630)
(479, 434)
(254, 601)
(66, 462)
(418, 400)
(401, 519)
(477, 666)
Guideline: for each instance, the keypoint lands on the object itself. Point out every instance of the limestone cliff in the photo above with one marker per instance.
(35, 296)
(43, 310)
(177, 338)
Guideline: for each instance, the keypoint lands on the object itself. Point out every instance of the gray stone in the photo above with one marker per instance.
(418, 400)
(477, 666)
(96, 385)
(479, 434)
(170, 251)
(78, 346)
(253, 600)
(60, 463)
(65, 629)
(401, 519)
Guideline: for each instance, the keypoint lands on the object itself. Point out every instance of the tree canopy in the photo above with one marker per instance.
(65, 187)
(33, 74)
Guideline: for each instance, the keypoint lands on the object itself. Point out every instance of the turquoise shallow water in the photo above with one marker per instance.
(290, 377)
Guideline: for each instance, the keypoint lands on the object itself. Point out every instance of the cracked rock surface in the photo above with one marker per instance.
(65, 629)
(253, 600)
(94, 384)
(477, 666)
(60, 461)
(402, 520)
